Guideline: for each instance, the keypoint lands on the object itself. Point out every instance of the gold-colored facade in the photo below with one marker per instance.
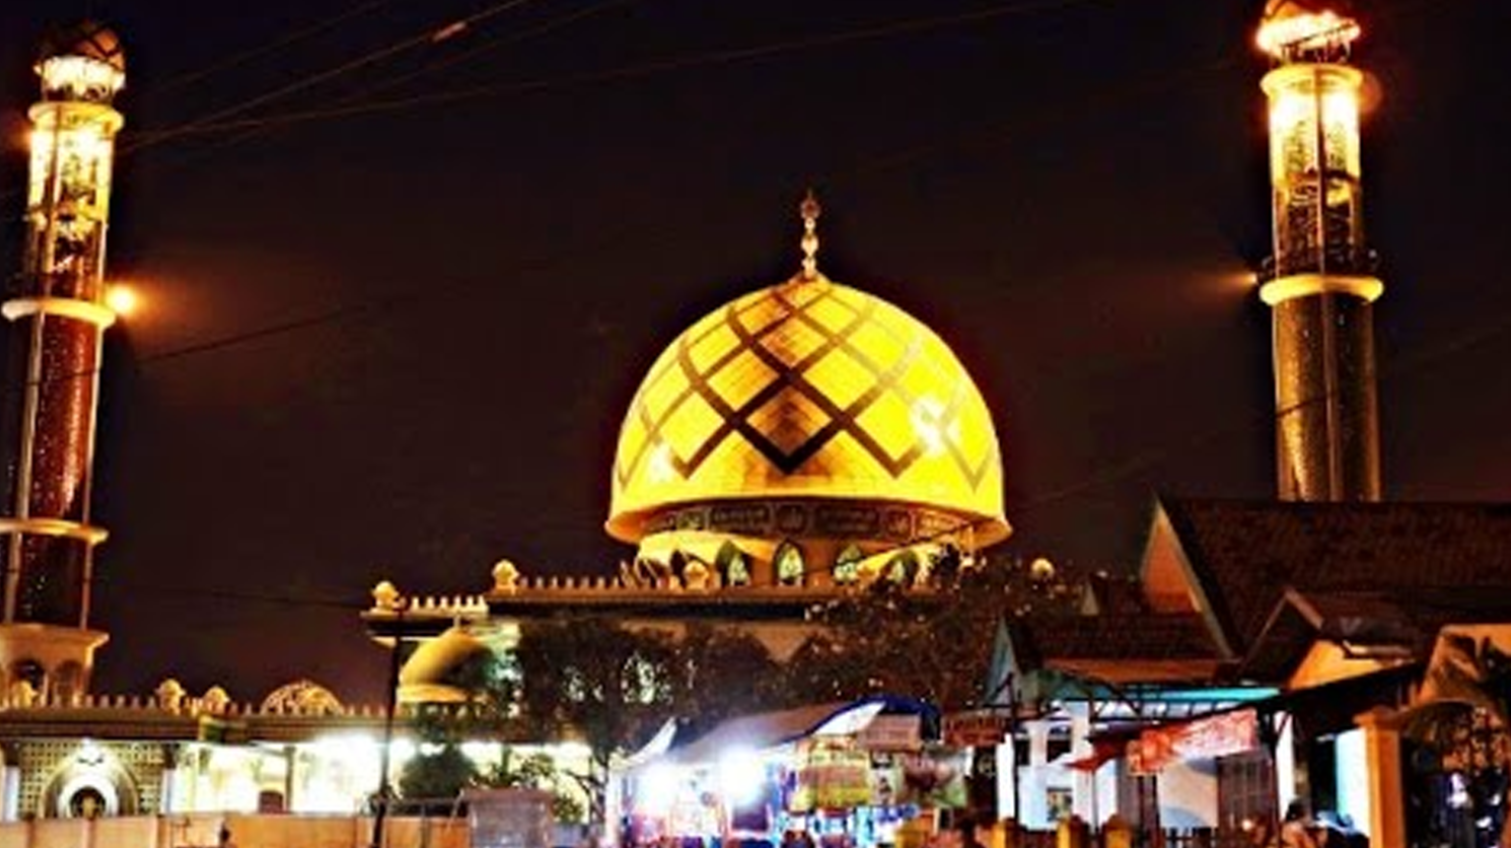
(809, 397)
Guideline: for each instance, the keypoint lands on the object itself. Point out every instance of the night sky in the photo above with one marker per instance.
(401, 287)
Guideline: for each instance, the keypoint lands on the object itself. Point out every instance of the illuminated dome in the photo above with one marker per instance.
(807, 392)
(302, 697)
(86, 39)
(430, 675)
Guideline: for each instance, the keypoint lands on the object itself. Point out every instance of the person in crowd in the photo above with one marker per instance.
(1296, 829)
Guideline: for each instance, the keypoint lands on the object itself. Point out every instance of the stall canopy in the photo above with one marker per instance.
(764, 731)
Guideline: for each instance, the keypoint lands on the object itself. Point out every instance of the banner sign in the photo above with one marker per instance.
(1203, 738)
(829, 775)
(892, 733)
(975, 728)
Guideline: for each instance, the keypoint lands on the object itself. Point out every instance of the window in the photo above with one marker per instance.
(903, 568)
(789, 564)
(847, 564)
(733, 567)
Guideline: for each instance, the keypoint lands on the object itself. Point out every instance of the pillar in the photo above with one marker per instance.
(1387, 797)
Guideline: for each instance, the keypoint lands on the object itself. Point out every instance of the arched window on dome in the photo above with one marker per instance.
(68, 681)
(733, 565)
(30, 671)
(903, 569)
(788, 564)
(847, 564)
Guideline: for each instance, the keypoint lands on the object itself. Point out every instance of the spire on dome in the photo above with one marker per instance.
(810, 210)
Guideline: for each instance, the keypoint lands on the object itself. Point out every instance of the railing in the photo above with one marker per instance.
(1203, 837)
(1340, 259)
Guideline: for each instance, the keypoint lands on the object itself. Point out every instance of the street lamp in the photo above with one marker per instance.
(385, 789)
(122, 299)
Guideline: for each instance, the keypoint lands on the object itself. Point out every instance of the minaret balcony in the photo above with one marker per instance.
(1343, 260)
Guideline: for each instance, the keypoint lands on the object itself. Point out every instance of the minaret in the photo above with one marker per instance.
(57, 317)
(1320, 283)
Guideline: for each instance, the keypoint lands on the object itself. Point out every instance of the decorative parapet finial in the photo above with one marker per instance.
(170, 695)
(505, 578)
(810, 210)
(214, 701)
(386, 597)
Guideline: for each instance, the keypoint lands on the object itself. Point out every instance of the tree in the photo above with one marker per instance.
(589, 677)
(536, 771)
(1463, 719)
(931, 638)
(592, 678)
(719, 672)
(440, 769)
(436, 774)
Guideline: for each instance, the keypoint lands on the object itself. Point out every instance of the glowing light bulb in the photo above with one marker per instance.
(122, 300)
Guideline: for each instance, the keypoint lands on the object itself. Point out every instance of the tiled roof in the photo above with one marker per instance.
(1454, 558)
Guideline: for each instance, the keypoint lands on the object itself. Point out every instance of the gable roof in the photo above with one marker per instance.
(1453, 559)
(1117, 647)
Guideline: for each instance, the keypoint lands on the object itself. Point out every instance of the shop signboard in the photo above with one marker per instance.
(975, 728)
(892, 733)
(934, 777)
(829, 775)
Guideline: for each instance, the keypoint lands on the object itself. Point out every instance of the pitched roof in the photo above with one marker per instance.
(1103, 645)
(1114, 636)
(1451, 558)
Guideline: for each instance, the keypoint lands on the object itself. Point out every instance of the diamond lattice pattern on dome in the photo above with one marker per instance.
(807, 388)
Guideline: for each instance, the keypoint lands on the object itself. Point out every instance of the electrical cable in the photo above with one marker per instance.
(191, 78)
(429, 37)
(485, 46)
(643, 69)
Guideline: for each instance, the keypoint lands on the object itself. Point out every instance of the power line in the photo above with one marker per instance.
(191, 78)
(430, 36)
(486, 46)
(213, 124)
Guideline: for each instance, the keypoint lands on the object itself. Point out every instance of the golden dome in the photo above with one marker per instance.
(429, 674)
(802, 391)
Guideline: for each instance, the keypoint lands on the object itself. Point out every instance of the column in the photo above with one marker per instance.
(1034, 793)
(1387, 798)
(1008, 779)
(1085, 802)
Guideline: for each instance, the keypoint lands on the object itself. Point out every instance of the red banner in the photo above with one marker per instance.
(1203, 738)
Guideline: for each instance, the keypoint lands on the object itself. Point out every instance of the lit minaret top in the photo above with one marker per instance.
(1320, 281)
(58, 315)
(810, 210)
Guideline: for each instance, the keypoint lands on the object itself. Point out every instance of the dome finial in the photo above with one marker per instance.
(810, 210)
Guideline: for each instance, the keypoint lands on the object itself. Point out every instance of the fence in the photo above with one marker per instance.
(1083, 838)
(241, 831)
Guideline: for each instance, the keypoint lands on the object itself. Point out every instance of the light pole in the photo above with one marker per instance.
(385, 788)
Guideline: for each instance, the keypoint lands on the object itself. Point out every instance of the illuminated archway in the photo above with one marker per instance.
(788, 564)
(847, 564)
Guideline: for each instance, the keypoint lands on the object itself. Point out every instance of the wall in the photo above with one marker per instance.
(1188, 794)
(247, 831)
(132, 771)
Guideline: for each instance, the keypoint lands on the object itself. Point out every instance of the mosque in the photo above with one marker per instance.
(802, 439)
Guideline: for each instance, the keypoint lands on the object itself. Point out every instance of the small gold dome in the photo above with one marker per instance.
(807, 390)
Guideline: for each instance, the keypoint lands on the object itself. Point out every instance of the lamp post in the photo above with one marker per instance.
(385, 787)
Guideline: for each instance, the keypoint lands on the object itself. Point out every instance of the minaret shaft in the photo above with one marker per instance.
(1320, 281)
(1327, 431)
(57, 320)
